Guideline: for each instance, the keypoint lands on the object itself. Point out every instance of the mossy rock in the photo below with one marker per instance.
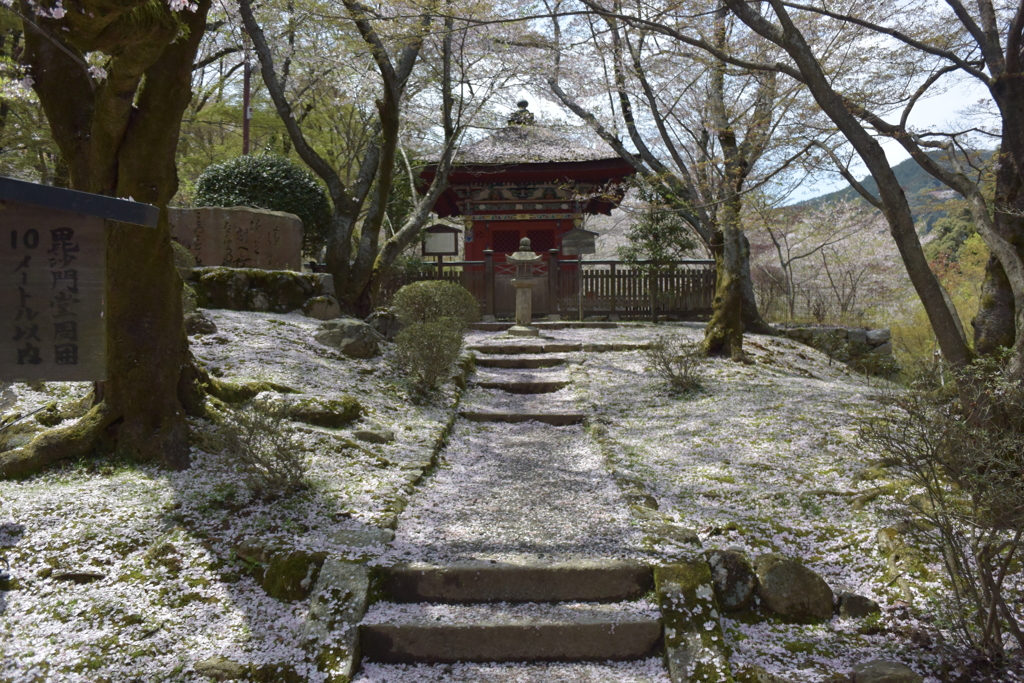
(276, 673)
(291, 576)
(332, 412)
(189, 299)
(184, 261)
(240, 392)
(244, 289)
(694, 642)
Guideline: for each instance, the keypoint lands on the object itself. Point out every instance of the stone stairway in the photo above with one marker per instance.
(514, 587)
(483, 612)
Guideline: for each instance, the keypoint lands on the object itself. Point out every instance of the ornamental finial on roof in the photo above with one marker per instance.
(523, 117)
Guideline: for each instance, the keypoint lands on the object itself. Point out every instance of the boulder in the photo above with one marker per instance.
(791, 590)
(883, 349)
(253, 289)
(322, 308)
(220, 668)
(239, 236)
(857, 336)
(323, 412)
(291, 576)
(385, 322)
(695, 648)
(734, 580)
(876, 337)
(881, 671)
(853, 606)
(199, 322)
(352, 337)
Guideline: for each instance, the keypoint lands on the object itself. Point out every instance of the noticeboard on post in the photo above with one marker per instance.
(441, 240)
(53, 280)
(578, 241)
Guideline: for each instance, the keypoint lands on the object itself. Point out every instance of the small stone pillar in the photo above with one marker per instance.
(524, 283)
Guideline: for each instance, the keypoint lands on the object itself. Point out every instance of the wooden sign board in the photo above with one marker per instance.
(441, 240)
(52, 274)
(53, 280)
(579, 241)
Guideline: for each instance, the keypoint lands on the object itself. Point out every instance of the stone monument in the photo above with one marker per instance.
(239, 237)
(524, 283)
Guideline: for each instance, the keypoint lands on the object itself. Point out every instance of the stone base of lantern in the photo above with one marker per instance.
(523, 331)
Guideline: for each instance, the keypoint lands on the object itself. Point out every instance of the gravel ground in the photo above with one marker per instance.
(524, 491)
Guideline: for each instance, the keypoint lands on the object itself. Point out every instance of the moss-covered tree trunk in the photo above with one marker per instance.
(119, 135)
(723, 335)
(995, 323)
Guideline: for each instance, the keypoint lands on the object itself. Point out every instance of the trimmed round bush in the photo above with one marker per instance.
(435, 300)
(273, 183)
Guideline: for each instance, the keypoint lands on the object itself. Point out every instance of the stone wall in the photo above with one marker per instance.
(847, 345)
(239, 237)
(253, 289)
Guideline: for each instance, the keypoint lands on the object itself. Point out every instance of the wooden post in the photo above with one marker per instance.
(489, 283)
(553, 307)
(613, 286)
(579, 281)
(652, 283)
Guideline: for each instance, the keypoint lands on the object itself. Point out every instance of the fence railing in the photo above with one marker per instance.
(605, 287)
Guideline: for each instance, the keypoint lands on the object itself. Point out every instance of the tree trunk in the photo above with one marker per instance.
(752, 320)
(723, 335)
(994, 325)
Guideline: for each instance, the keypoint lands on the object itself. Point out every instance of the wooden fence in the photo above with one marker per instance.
(681, 288)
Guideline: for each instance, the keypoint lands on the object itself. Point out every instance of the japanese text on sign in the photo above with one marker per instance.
(51, 301)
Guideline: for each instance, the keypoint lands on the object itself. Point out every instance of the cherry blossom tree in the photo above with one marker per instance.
(113, 80)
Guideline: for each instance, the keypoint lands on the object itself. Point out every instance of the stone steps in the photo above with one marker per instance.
(556, 347)
(473, 582)
(547, 325)
(555, 419)
(533, 387)
(569, 632)
(520, 363)
(637, 671)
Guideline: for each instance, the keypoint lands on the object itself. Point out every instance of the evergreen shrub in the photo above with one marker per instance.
(431, 301)
(273, 183)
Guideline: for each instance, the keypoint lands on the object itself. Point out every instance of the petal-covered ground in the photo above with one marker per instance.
(126, 572)
(168, 589)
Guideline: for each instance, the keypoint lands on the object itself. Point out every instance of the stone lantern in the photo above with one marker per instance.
(524, 283)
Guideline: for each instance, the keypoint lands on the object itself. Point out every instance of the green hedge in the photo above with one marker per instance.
(273, 183)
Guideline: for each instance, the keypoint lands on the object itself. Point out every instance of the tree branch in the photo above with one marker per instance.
(842, 168)
(337, 189)
(898, 35)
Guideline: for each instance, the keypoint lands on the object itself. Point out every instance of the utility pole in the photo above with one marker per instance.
(246, 105)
